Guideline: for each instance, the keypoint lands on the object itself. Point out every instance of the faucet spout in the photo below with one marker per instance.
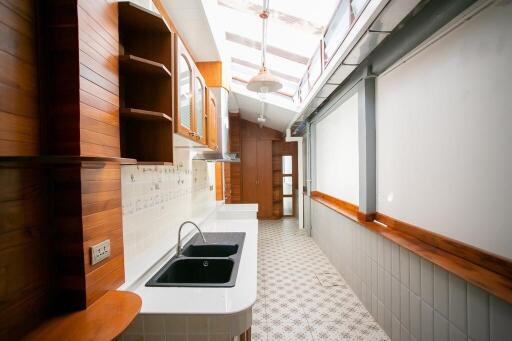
(178, 248)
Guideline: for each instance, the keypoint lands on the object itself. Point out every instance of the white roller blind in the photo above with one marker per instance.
(336, 152)
(444, 135)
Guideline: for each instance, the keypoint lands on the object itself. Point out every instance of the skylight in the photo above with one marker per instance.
(294, 31)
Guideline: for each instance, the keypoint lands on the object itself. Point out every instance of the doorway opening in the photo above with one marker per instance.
(287, 184)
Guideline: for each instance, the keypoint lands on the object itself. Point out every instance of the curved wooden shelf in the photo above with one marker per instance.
(105, 319)
(141, 66)
(487, 279)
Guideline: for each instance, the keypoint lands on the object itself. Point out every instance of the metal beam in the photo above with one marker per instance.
(367, 146)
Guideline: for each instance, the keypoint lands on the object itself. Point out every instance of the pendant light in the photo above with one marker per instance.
(264, 82)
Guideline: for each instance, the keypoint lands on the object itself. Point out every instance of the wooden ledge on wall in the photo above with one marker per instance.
(105, 319)
(487, 271)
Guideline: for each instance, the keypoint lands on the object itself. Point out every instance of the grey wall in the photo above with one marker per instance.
(411, 298)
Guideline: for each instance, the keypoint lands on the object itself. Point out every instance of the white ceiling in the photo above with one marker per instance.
(191, 21)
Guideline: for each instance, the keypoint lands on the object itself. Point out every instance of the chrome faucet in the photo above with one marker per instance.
(178, 248)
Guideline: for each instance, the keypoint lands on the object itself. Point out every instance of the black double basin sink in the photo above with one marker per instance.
(211, 264)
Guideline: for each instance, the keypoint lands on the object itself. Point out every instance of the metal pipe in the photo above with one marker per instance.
(264, 16)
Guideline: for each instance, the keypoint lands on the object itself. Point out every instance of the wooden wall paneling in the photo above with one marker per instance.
(249, 160)
(234, 174)
(99, 73)
(253, 130)
(227, 183)
(60, 84)
(49, 216)
(264, 155)
(19, 111)
(26, 262)
(219, 181)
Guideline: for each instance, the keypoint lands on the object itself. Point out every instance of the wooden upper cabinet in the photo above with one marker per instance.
(184, 113)
(190, 113)
(211, 108)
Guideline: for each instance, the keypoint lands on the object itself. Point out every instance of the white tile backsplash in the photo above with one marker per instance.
(156, 200)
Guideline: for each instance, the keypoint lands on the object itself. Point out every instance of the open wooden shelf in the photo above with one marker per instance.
(146, 85)
(63, 160)
(141, 66)
(144, 114)
(136, 18)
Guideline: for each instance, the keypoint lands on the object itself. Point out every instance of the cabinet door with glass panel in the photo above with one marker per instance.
(184, 118)
(200, 107)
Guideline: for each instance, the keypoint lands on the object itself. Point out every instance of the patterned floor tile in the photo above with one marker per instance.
(292, 303)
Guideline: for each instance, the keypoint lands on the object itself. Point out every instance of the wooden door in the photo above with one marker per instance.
(250, 171)
(264, 190)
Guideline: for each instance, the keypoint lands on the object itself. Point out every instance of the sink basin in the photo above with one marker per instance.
(210, 250)
(197, 270)
(214, 264)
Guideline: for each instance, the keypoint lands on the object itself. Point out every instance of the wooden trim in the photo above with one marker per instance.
(480, 268)
(105, 319)
(473, 254)
(347, 209)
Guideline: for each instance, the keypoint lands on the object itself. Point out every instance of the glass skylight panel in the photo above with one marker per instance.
(273, 62)
(284, 36)
(313, 11)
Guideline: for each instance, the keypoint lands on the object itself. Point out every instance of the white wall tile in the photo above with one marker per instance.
(381, 284)
(427, 322)
(415, 273)
(387, 290)
(404, 266)
(441, 290)
(457, 302)
(395, 297)
(456, 334)
(387, 255)
(404, 306)
(395, 260)
(155, 200)
(427, 282)
(395, 329)
(478, 314)
(415, 316)
(441, 330)
(501, 319)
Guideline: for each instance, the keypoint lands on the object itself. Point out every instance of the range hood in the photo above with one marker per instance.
(222, 154)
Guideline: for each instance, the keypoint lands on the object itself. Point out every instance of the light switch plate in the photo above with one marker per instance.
(100, 251)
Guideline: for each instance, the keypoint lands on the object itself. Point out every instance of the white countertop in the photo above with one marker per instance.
(188, 300)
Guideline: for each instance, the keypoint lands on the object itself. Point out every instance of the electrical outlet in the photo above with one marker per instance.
(100, 251)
